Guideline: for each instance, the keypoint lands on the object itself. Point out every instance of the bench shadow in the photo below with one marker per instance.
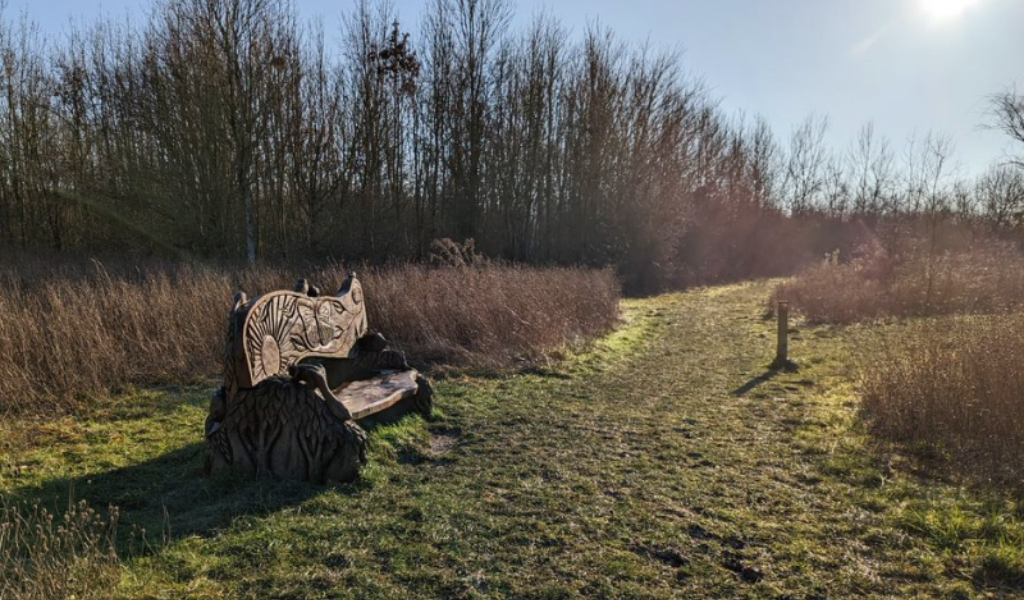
(171, 496)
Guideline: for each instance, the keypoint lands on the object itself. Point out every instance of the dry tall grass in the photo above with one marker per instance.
(491, 317)
(70, 333)
(48, 557)
(984, 280)
(953, 382)
(956, 384)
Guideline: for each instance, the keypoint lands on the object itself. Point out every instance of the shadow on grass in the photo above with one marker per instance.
(171, 496)
(749, 386)
(769, 374)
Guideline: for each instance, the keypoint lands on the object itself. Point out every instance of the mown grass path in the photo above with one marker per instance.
(665, 463)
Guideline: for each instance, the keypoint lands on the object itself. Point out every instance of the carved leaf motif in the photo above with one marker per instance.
(324, 324)
(275, 321)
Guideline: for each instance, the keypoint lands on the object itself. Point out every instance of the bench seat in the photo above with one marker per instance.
(303, 374)
(377, 394)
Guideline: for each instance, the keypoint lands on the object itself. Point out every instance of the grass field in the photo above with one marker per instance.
(667, 462)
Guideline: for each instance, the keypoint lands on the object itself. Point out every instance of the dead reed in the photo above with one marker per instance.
(491, 317)
(954, 384)
(69, 333)
(44, 556)
(875, 284)
(951, 383)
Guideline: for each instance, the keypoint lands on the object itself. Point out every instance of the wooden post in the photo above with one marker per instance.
(782, 349)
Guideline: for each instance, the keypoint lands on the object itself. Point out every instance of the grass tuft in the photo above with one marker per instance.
(949, 385)
(44, 556)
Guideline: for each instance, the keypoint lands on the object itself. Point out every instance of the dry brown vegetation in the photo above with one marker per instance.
(954, 384)
(44, 556)
(74, 332)
(877, 284)
(951, 382)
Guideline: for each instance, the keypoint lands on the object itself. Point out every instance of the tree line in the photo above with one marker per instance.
(231, 129)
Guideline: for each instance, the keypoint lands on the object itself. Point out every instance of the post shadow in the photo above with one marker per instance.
(769, 374)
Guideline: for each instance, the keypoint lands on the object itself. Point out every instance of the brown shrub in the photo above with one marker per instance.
(68, 333)
(984, 280)
(954, 384)
(51, 557)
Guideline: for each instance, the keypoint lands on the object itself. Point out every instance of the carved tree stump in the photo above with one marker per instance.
(303, 425)
(286, 428)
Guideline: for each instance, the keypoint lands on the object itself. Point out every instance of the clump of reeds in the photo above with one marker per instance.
(954, 385)
(876, 284)
(47, 556)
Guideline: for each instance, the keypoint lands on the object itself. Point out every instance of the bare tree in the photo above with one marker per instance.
(872, 167)
(1007, 112)
(221, 128)
(1001, 197)
(805, 167)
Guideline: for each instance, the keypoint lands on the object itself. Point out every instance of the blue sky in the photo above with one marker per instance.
(890, 61)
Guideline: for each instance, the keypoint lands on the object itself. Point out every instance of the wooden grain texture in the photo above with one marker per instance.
(279, 329)
(283, 428)
(371, 396)
(300, 370)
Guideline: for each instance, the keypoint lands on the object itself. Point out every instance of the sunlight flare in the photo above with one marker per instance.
(944, 10)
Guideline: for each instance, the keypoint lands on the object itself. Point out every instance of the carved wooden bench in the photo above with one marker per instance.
(301, 371)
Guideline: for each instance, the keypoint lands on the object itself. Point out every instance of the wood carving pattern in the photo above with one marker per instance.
(286, 428)
(277, 415)
(282, 328)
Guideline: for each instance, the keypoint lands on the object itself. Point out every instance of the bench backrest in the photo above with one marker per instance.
(276, 330)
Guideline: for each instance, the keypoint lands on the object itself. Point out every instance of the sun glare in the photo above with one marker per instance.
(946, 9)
